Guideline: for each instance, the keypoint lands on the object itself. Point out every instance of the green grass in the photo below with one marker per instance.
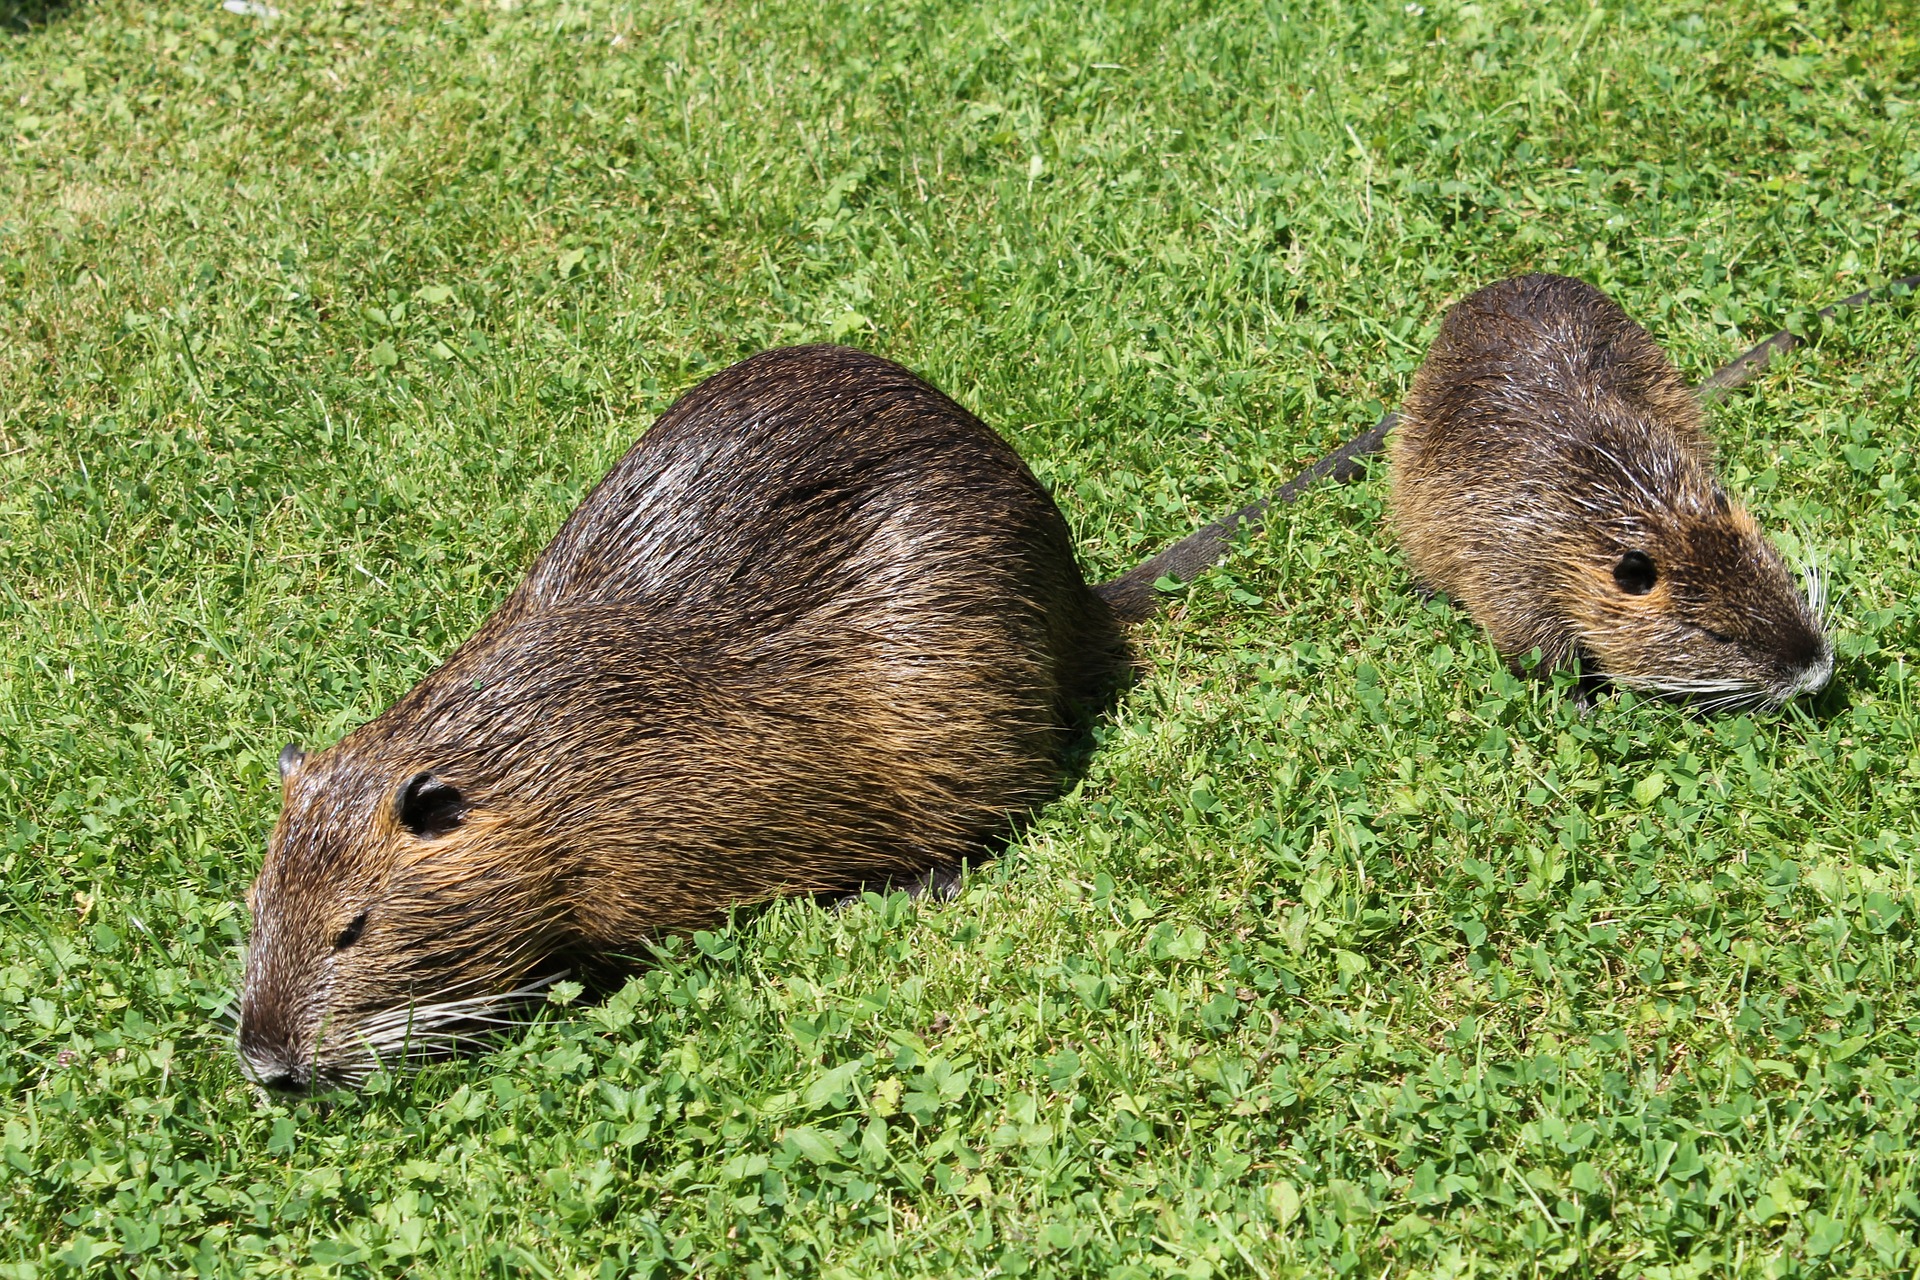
(1351, 954)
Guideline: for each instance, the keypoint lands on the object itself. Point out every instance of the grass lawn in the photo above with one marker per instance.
(1351, 953)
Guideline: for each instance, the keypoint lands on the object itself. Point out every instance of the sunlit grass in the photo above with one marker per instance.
(1352, 953)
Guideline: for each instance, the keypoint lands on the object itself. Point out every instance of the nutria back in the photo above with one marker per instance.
(1552, 473)
(819, 628)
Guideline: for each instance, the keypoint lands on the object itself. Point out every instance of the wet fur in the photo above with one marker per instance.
(819, 628)
(1546, 437)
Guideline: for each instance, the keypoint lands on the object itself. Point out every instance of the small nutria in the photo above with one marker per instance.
(819, 628)
(1552, 473)
(1193, 554)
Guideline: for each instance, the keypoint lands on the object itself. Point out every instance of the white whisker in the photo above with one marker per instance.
(431, 1028)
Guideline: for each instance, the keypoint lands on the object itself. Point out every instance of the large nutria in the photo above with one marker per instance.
(1552, 473)
(819, 628)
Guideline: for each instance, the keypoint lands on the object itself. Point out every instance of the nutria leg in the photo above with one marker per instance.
(935, 884)
(1587, 688)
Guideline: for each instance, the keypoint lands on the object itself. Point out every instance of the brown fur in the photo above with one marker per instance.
(819, 628)
(1546, 441)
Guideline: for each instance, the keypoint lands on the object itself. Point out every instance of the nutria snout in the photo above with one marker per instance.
(1552, 473)
(819, 628)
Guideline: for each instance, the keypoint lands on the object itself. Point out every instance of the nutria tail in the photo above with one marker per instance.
(1132, 596)
(1738, 372)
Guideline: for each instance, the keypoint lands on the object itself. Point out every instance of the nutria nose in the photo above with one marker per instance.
(1808, 656)
(277, 1071)
(270, 1057)
(1813, 674)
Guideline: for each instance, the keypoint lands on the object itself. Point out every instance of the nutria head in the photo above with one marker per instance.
(552, 787)
(1680, 594)
(1552, 472)
(390, 920)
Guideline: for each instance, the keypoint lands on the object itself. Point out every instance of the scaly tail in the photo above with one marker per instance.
(1738, 372)
(1132, 595)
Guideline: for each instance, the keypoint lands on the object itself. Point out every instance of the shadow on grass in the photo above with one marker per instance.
(24, 15)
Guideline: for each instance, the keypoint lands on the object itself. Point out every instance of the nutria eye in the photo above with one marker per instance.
(429, 807)
(1715, 636)
(351, 934)
(1635, 573)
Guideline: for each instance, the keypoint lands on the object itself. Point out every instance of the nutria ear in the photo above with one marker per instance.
(291, 758)
(429, 807)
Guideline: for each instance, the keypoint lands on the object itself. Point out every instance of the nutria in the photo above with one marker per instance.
(1193, 554)
(1552, 473)
(1200, 549)
(819, 628)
